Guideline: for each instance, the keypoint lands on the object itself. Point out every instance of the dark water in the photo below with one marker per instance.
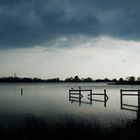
(51, 101)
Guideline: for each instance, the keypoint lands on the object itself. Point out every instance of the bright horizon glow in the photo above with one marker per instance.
(94, 57)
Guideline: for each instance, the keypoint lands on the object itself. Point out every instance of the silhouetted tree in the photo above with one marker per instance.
(107, 80)
(131, 78)
(121, 80)
(69, 79)
(76, 79)
(138, 78)
(114, 80)
(87, 79)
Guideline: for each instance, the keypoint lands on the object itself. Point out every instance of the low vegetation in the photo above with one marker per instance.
(39, 129)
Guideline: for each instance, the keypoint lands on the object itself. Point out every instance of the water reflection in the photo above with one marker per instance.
(52, 99)
(72, 100)
(21, 91)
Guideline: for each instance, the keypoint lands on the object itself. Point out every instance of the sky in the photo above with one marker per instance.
(64, 38)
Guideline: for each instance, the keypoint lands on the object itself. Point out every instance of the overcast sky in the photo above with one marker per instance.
(63, 38)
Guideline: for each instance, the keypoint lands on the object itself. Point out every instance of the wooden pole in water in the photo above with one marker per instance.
(69, 95)
(138, 98)
(121, 97)
(105, 97)
(80, 94)
(104, 94)
(91, 96)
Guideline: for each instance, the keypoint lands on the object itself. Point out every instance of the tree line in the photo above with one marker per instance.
(127, 80)
(70, 79)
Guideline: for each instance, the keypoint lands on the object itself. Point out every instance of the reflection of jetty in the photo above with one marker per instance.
(127, 106)
(75, 95)
(72, 100)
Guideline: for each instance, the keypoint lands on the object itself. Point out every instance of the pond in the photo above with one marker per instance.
(51, 101)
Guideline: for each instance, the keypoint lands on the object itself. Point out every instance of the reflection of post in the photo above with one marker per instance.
(105, 103)
(121, 98)
(79, 102)
(21, 91)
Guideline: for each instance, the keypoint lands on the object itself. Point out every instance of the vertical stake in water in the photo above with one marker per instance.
(91, 96)
(69, 95)
(105, 97)
(138, 113)
(138, 98)
(80, 94)
(121, 97)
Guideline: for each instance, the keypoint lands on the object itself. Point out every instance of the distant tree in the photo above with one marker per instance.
(107, 80)
(76, 79)
(130, 79)
(114, 80)
(69, 79)
(53, 80)
(88, 79)
(121, 80)
(138, 78)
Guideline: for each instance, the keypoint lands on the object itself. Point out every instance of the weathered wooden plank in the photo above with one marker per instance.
(80, 90)
(74, 93)
(75, 97)
(129, 105)
(129, 94)
(98, 100)
(135, 110)
(129, 90)
(98, 94)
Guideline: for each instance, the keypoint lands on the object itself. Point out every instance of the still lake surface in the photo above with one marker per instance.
(51, 101)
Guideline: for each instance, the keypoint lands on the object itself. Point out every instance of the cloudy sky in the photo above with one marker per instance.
(63, 38)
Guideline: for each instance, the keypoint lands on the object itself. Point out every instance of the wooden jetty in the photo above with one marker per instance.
(77, 94)
(126, 106)
(104, 94)
(100, 94)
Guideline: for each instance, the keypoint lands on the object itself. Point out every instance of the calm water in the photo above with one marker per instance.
(51, 101)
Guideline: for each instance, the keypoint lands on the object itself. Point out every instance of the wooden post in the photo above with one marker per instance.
(69, 95)
(138, 97)
(121, 98)
(138, 113)
(79, 94)
(105, 97)
(91, 96)
(104, 94)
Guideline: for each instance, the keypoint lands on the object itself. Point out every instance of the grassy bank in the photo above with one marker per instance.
(39, 129)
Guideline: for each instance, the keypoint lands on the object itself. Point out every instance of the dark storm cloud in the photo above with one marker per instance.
(25, 23)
